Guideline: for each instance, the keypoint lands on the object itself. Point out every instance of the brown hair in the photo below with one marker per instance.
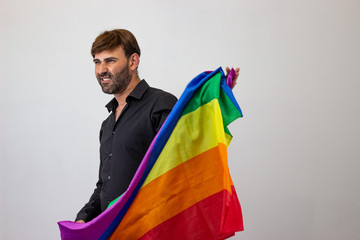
(109, 40)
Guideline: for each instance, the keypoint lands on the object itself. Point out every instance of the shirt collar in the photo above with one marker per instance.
(137, 93)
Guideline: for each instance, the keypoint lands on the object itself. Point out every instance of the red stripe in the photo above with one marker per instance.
(216, 217)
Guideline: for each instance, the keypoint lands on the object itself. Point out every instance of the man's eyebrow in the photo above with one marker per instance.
(110, 58)
(106, 59)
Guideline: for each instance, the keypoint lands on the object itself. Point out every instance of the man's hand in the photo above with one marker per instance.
(237, 72)
(80, 221)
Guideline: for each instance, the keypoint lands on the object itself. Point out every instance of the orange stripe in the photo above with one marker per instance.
(175, 191)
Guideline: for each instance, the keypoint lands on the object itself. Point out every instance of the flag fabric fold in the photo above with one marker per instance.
(182, 188)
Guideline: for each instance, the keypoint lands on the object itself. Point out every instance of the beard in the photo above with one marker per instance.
(118, 81)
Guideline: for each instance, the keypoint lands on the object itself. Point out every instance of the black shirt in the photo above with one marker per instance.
(123, 143)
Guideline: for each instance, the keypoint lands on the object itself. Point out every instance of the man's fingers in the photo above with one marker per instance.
(227, 70)
(234, 80)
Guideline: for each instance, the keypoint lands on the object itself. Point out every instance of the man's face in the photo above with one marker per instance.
(112, 70)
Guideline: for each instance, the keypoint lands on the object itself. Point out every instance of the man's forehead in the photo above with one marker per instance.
(117, 52)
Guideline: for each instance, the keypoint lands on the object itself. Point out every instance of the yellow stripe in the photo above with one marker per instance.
(195, 132)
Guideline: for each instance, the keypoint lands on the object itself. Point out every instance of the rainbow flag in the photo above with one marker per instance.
(182, 188)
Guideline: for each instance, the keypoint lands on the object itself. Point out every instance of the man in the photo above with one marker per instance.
(137, 112)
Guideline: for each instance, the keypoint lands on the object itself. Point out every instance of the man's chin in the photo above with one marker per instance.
(107, 90)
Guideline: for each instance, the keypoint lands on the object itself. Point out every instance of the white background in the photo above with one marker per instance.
(295, 155)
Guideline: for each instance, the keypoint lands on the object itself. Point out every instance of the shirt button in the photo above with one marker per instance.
(110, 154)
(109, 177)
(113, 133)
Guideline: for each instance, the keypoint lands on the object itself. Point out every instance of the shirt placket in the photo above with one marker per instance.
(113, 133)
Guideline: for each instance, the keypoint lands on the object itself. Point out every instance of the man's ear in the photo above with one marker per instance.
(134, 61)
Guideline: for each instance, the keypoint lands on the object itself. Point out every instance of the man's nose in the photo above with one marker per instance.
(102, 68)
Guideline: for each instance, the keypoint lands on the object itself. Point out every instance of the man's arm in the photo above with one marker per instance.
(93, 207)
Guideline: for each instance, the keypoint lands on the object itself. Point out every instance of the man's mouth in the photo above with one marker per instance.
(105, 79)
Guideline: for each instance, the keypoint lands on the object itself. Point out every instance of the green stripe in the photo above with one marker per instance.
(209, 91)
(114, 201)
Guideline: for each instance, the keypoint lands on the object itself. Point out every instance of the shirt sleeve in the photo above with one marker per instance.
(161, 110)
(92, 208)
